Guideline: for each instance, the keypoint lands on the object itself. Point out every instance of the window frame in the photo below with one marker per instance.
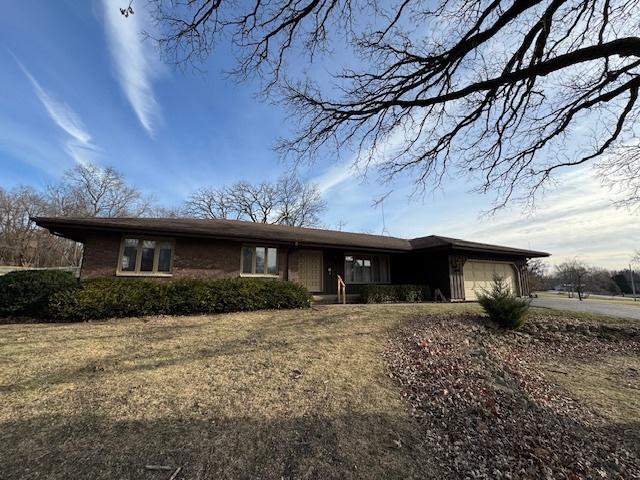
(156, 254)
(366, 256)
(253, 261)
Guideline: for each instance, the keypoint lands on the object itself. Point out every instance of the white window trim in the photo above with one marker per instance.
(137, 272)
(253, 266)
(370, 255)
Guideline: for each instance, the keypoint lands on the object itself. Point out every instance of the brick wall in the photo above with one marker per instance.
(196, 258)
(100, 257)
(192, 258)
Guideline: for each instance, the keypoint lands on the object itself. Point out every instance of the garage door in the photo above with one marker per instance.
(480, 275)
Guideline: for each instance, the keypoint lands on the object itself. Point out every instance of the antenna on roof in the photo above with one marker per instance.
(380, 201)
(384, 226)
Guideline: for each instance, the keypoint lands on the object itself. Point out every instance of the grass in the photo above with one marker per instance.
(286, 394)
(628, 300)
(610, 386)
(584, 316)
(265, 394)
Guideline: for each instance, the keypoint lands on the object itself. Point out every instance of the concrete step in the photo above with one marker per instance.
(324, 299)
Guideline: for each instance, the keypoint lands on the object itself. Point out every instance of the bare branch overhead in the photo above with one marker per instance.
(507, 93)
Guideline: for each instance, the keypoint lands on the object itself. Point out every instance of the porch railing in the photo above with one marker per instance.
(342, 290)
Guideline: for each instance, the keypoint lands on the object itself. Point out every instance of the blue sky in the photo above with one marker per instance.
(77, 83)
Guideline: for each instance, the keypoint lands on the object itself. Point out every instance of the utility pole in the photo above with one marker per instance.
(633, 283)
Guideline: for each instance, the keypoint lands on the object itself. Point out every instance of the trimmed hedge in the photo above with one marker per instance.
(395, 293)
(118, 297)
(502, 306)
(27, 292)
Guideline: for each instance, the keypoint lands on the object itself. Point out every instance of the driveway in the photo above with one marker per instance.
(590, 305)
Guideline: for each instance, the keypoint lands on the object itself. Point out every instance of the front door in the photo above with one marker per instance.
(310, 269)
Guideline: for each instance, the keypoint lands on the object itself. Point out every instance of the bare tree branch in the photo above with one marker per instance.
(505, 92)
(289, 201)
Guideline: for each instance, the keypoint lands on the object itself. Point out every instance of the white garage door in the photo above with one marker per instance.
(480, 275)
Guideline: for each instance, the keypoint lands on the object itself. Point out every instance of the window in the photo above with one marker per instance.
(148, 254)
(129, 255)
(366, 269)
(259, 260)
(164, 257)
(144, 256)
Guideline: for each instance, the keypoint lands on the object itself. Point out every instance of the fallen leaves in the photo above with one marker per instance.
(486, 408)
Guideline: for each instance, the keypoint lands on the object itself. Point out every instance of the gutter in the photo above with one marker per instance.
(55, 230)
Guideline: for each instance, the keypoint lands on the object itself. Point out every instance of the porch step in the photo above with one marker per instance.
(330, 299)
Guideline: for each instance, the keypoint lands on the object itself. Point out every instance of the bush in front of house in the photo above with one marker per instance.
(107, 297)
(395, 293)
(502, 306)
(27, 292)
(187, 296)
(118, 297)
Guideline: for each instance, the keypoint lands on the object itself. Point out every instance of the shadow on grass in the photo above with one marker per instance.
(317, 445)
(206, 446)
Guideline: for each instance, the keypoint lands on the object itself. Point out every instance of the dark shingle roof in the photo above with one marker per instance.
(231, 229)
(77, 228)
(434, 241)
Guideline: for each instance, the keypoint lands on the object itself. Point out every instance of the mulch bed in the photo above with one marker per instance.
(486, 409)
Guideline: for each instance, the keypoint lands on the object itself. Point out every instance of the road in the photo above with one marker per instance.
(590, 305)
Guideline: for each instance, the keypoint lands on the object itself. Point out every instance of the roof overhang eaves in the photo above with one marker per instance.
(77, 229)
(77, 232)
(502, 252)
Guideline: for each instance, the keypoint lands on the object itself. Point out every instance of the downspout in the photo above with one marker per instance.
(286, 276)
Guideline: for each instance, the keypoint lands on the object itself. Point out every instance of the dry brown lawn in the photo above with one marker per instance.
(273, 394)
(610, 386)
(293, 394)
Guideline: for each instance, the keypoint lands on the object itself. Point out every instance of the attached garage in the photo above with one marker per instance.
(479, 275)
(456, 269)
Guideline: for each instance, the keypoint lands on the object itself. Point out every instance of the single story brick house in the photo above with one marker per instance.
(182, 248)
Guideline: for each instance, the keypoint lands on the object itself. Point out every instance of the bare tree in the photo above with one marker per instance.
(600, 280)
(22, 243)
(85, 190)
(574, 273)
(501, 91)
(258, 203)
(93, 191)
(158, 211)
(288, 201)
(300, 204)
(536, 274)
(18, 235)
(209, 203)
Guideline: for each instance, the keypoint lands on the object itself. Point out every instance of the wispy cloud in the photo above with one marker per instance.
(574, 220)
(357, 166)
(79, 146)
(133, 63)
(334, 176)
